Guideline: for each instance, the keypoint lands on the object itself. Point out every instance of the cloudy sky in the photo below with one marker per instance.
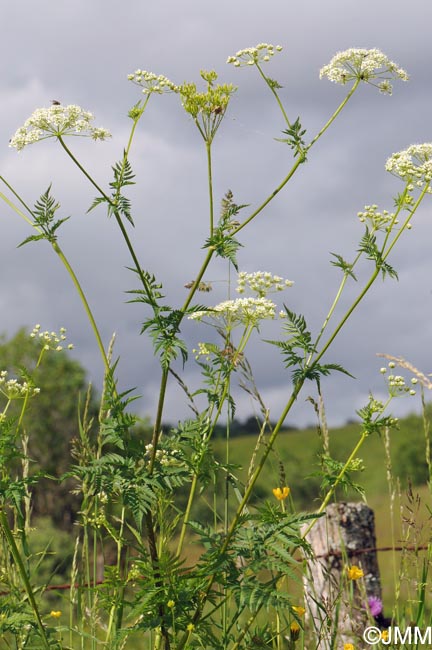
(81, 53)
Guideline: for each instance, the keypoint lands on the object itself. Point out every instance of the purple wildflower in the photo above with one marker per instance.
(375, 605)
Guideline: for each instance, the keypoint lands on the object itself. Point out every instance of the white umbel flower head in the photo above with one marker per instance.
(151, 82)
(413, 165)
(253, 55)
(57, 121)
(261, 282)
(248, 311)
(370, 66)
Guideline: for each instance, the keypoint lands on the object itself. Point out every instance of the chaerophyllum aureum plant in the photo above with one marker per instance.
(147, 496)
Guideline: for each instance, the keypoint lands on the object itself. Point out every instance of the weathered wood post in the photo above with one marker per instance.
(343, 538)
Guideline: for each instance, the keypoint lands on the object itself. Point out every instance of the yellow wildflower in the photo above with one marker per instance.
(190, 627)
(348, 646)
(170, 604)
(281, 493)
(384, 635)
(55, 613)
(354, 572)
(298, 610)
(295, 630)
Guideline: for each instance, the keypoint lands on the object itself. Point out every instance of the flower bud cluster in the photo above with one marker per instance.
(212, 103)
(152, 83)
(376, 220)
(13, 389)
(253, 55)
(57, 121)
(165, 458)
(51, 340)
(261, 283)
(413, 165)
(396, 383)
(202, 351)
(364, 65)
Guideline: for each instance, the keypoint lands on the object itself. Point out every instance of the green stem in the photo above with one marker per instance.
(24, 577)
(65, 263)
(243, 342)
(338, 479)
(245, 500)
(299, 160)
(335, 114)
(83, 170)
(210, 185)
(372, 279)
(269, 198)
(85, 303)
(276, 96)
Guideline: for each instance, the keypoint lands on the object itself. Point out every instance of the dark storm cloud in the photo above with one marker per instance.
(84, 56)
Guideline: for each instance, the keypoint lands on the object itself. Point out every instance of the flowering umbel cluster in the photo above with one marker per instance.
(248, 311)
(54, 122)
(396, 383)
(206, 108)
(152, 83)
(413, 165)
(376, 220)
(253, 55)
(51, 340)
(261, 282)
(13, 389)
(370, 66)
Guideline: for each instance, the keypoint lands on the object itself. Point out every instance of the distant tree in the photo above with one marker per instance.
(51, 421)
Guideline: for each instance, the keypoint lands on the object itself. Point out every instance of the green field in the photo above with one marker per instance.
(298, 452)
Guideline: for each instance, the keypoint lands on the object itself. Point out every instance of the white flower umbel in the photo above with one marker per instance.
(253, 55)
(370, 66)
(152, 83)
(51, 340)
(247, 311)
(261, 282)
(413, 165)
(13, 389)
(376, 220)
(54, 122)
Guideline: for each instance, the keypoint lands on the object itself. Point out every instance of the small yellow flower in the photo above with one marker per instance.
(384, 635)
(55, 613)
(295, 630)
(281, 493)
(299, 610)
(170, 604)
(348, 646)
(354, 573)
(190, 627)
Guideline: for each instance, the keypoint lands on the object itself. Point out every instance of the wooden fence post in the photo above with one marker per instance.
(334, 603)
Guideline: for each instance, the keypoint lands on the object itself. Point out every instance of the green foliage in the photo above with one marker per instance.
(50, 421)
(342, 264)
(44, 219)
(369, 246)
(294, 139)
(118, 204)
(221, 241)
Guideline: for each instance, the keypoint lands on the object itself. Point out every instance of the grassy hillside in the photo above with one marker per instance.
(298, 453)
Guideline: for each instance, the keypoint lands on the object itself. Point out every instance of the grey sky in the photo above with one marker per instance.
(81, 53)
